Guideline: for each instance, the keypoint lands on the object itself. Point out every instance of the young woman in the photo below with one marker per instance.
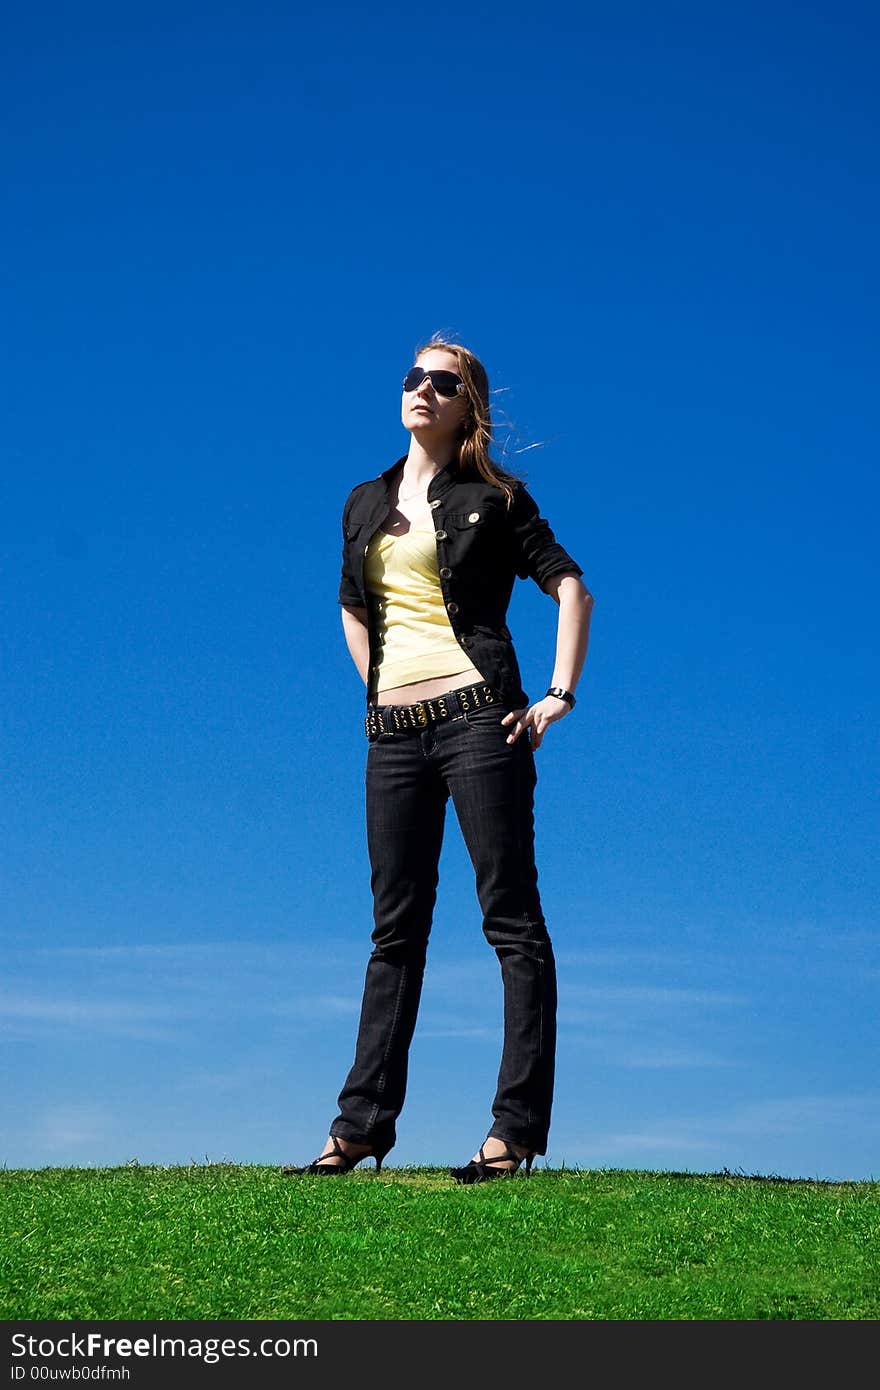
(431, 550)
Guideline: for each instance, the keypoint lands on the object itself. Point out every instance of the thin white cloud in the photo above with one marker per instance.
(236, 1078)
(672, 1059)
(650, 995)
(651, 1140)
(793, 1114)
(259, 953)
(776, 1120)
(316, 1006)
(129, 1016)
(611, 1043)
(70, 1126)
(625, 958)
(81, 1010)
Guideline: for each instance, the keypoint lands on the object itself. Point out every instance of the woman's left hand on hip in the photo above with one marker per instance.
(537, 718)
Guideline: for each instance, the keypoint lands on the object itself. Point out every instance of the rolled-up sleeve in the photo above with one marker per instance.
(348, 590)
(537, 553)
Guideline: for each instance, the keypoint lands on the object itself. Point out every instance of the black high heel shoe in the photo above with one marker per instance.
(481, 1170)
(331, 1170)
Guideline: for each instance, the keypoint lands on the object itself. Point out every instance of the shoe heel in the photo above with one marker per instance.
(485, 1169)
(348, 1162)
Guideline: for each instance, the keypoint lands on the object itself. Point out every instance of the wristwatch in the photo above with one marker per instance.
(561, 694)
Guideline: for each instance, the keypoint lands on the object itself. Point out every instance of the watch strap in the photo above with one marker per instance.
(561, 694)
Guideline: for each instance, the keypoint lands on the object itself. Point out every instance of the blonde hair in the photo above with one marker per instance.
(476, 432)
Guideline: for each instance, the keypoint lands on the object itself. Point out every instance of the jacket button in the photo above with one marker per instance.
(441, 535)
(467, 641)
(446, 572)
(435, 503)
(474, 516)
(452, 608)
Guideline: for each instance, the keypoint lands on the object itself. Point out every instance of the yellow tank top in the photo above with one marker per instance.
(415, 640)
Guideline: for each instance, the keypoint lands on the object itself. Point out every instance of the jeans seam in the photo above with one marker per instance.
(383, 1076)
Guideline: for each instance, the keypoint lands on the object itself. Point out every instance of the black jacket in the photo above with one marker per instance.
(481, 547)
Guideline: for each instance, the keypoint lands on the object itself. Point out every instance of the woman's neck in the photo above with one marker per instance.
(422, 464)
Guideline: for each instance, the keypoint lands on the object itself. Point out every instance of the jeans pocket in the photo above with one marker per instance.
(487, 716)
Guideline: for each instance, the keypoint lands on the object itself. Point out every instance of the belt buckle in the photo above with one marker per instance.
(420, 714)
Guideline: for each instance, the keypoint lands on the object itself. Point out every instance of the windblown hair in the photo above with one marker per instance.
(476, 434)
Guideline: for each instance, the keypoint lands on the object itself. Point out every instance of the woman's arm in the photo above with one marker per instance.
(357, 639)
(573, 629)
(572, 639)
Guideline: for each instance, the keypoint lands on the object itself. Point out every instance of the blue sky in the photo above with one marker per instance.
(227, 228)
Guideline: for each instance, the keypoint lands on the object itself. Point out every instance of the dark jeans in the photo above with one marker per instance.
(410, 777)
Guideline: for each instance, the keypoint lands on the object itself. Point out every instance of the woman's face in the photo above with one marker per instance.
(424, 410)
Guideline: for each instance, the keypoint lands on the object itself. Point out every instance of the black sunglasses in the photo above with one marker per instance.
(444, 383)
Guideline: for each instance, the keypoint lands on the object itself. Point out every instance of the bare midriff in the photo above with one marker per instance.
(425, 690)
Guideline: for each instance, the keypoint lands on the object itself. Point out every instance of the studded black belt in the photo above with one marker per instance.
(403, 719)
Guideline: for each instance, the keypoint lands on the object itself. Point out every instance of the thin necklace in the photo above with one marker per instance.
(414, 494)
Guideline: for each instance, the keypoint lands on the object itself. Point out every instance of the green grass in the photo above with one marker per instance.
(223, 1241)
